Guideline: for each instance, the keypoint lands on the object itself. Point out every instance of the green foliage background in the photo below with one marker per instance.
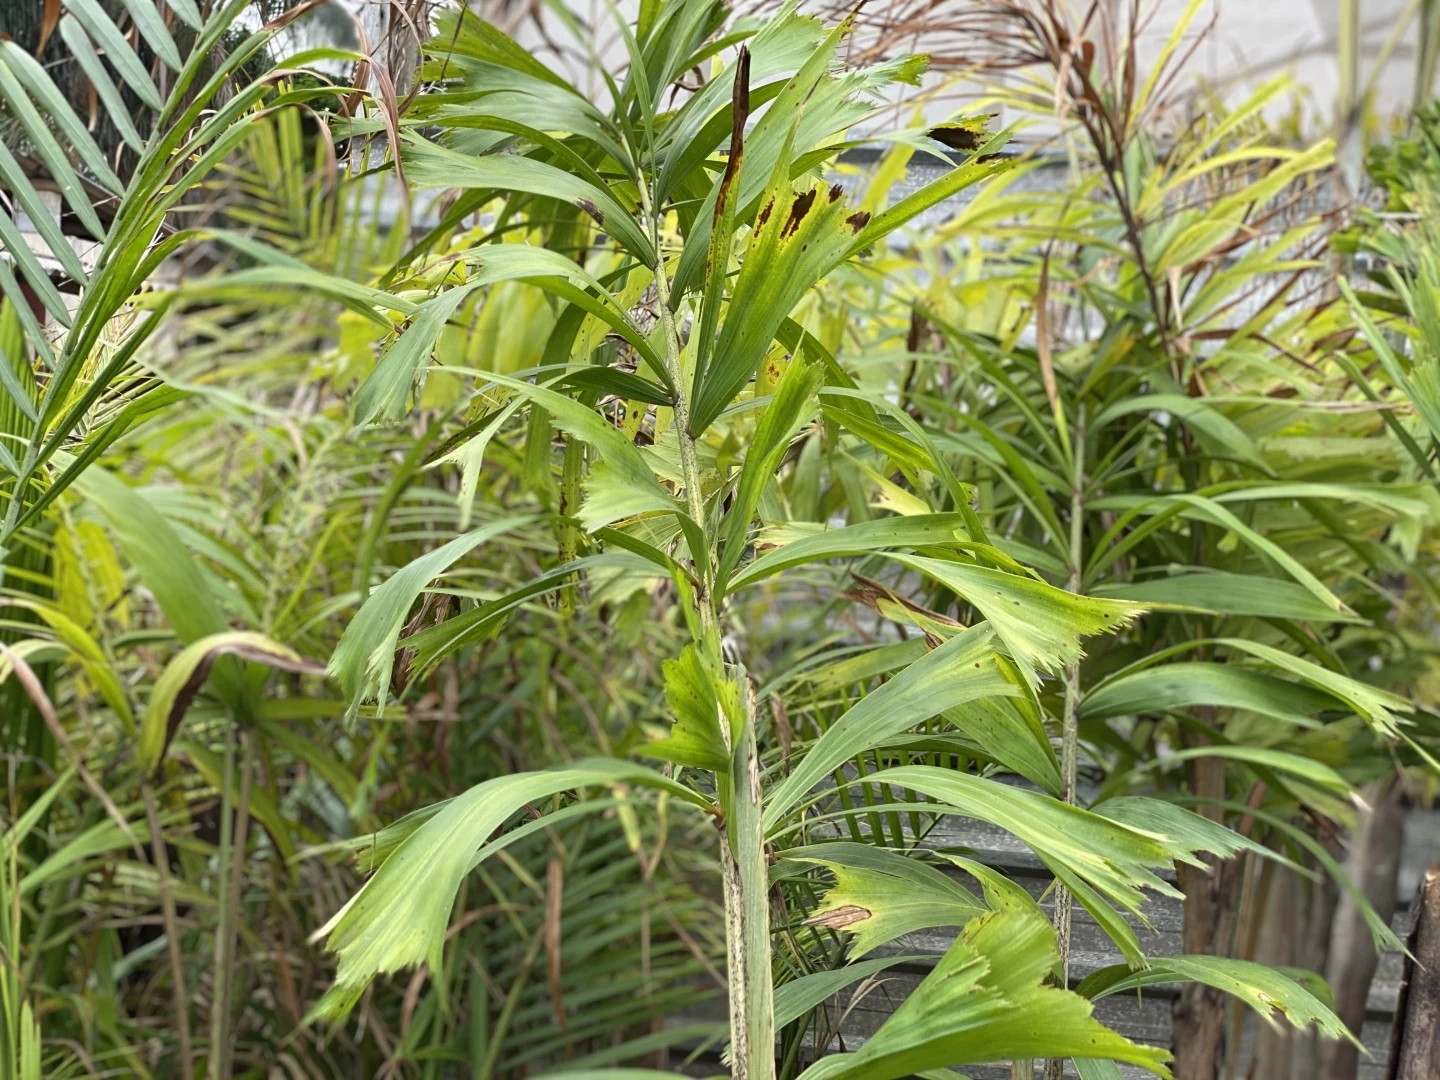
(551, 640)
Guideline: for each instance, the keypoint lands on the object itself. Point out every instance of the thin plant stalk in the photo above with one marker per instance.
(172, 934)
(1070, 722)
(507, 1011)
(219, 981)
(744, 875)
(236, 887)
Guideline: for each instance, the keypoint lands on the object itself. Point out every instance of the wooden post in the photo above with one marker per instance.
(1373, 864)
(1415, 1039)
(1198, 1017)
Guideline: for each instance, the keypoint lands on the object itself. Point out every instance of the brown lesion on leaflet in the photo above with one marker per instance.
(591, 209)
(840, 917)
(739, 113)
(798, 209)
(956, 137)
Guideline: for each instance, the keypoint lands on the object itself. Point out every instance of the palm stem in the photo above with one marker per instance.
(744, 875)
(747, 918)
(1070, 722)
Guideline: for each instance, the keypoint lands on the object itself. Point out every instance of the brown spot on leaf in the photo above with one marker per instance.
(764, 214)
(956, 138)
(840, 917)
(740, 101)
(739, 113)
(858, 220)
(591, 209)
(836, 191)
(798, 209)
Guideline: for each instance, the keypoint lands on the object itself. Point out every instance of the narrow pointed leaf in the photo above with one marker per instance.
(798, 996)
(1188, 684)
(365, 654)
(104, 33)
(797, 546)
(988, 1000)
(35, 275)
(620, 484)
(19, 186)
(797, 238)
(1039, 624)
(791, 405)
(1220, 593)
(146, 16)
(962, 669)
(431, 166)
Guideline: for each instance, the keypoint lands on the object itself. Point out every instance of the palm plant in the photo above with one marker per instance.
(1155, 438)
(627, 473)
(69, 393)
(276, 534)
(635, 223)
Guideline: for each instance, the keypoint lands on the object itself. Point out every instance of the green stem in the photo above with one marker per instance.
(747, 915)
(745, 877)
(1070, 721)
(680, 405)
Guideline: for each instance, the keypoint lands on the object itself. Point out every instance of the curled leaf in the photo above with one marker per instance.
(183, 677)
